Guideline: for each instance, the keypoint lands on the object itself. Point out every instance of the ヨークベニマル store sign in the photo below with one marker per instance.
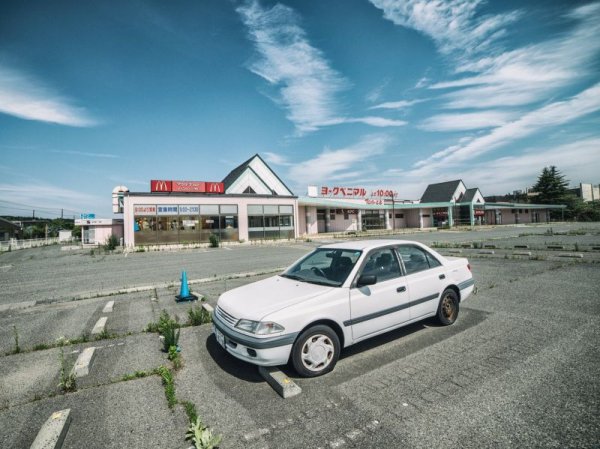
(159, 185)
(356, 192)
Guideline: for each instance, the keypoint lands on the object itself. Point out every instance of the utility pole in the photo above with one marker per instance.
(61, 213)
(34, 214)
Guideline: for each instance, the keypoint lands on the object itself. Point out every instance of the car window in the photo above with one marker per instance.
(416, 259)
(383, 264)
(324, 266)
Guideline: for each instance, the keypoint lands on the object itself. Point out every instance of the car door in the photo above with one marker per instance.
(374, 308)
(425, 279)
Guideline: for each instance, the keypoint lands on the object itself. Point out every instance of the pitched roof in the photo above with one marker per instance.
(240, 169)
(236, 172)
(440, 192)
(469, 195)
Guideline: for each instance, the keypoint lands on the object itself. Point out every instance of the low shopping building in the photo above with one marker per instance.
(253, 203)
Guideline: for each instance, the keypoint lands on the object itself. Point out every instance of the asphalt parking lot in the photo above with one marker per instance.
(518, 369)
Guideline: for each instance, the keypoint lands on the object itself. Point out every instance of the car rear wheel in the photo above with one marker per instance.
(316, 351)
(448, 307)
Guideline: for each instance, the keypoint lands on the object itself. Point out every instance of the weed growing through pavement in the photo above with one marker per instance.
(190, 411)
(175, 358)
(202, 436)
(169, 384)
(16, 335)
(68, 381)
(138, 375)
(198, 316)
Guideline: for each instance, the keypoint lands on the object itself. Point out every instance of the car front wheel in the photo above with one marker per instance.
(316, 351)
(448, 308)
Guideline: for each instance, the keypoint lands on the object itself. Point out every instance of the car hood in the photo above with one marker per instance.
(259, 299)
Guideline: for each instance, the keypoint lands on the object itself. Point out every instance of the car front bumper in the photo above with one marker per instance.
(265, 351)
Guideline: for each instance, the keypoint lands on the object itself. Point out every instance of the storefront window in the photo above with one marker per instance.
(270, 222)
(229, 223)
(144, 230)
(187, 224)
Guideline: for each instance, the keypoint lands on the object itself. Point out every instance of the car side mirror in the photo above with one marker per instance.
(366, 279)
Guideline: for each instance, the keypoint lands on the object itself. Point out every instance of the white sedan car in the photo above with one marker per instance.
(336, 296)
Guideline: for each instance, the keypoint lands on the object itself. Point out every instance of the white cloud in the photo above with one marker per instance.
(24, 97)
(307, 84)
(578, 161)
(452, 24)
(47, 199)
(340, 163)
(379, 122)
(529, 74)
(83, 153)
(466, 121)
(276, 159)
(553, 114)
(402, 104)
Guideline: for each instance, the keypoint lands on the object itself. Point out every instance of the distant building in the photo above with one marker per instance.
(587, 192)
(9, 230)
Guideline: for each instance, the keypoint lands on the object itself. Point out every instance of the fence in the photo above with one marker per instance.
(14, 244)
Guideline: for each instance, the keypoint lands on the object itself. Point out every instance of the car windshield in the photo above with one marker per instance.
(324, 266)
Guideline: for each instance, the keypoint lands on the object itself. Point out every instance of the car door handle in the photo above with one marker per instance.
(442, 276)
(401, 289)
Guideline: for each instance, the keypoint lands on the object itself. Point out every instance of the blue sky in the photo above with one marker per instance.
(373, 93)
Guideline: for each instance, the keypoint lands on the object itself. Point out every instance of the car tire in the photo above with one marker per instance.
(316, 351)
(448, 308)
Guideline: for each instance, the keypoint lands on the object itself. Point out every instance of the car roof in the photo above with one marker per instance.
(367, 244)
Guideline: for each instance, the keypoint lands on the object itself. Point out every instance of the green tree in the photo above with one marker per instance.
(551, 187)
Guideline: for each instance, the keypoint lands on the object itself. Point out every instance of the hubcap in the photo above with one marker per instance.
(317, 352)
(448, 308)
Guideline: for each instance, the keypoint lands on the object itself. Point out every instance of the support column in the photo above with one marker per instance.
(471, 215)
(420, 218)
(327, 220)
(359, 220)
(450, 217)
(388, 224)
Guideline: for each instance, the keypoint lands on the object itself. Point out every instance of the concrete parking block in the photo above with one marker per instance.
(522, 253)
(486, 251)
(100, 326)
(206, 306)
(572, 255)
(84, 362)
(108, 308)
(282, 384)
(53, 432)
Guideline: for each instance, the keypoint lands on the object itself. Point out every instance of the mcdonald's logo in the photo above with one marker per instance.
(215, 187)
(160, 186)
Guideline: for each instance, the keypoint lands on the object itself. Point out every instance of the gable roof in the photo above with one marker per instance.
(469, 195)
(238, 171)
(440, 192)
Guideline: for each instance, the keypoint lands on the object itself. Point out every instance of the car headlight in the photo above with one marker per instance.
(259, 327)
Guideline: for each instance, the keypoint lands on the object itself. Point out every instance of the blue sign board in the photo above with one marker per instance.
(87, 216)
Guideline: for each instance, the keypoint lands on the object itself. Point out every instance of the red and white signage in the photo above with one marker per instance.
(144, 210)
(356, 192)
(159, 185)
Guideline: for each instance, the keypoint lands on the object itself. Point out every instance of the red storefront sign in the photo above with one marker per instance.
(186, 186)
(160, 186)
(479, 212)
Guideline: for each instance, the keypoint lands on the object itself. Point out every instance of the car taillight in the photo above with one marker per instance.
(469, 266)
